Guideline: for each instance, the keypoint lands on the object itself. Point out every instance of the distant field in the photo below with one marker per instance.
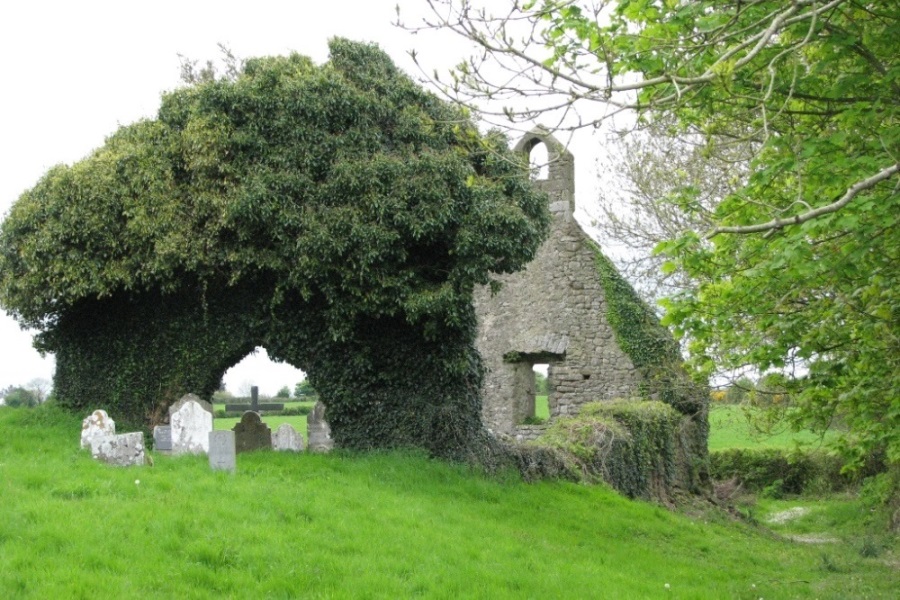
(730, 428)
(541, 407)
(379, 525)
(273, 421)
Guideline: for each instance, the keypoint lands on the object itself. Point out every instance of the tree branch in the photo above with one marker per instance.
(817, 212)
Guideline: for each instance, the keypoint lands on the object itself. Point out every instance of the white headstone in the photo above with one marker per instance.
(97, 425)
(287, 439)
(121, 450)
(222, 451)
(191, 420)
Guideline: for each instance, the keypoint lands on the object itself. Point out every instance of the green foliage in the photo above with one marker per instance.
(776, 471)
(541, 384)
(304, 389)
(647, 343)
(284, 392)
(20, 397)
(800, 270)
(338, 215)
(632, 445)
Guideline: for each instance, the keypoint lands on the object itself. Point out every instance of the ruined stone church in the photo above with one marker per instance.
(552, 313)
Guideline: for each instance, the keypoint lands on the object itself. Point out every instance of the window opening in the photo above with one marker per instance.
(539, 162)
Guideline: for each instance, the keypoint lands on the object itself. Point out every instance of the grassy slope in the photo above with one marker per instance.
(380, 525)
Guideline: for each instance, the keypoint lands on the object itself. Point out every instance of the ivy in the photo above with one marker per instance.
(647, 343)
(338, 215)
(636, 446)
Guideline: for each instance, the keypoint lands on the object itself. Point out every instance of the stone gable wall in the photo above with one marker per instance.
(553, 312)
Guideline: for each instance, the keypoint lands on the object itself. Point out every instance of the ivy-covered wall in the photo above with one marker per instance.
(336, 214)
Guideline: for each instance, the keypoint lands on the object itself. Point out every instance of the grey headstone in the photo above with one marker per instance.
(122, 450)
(97, 425)
(162, 438)
(318, 430)
(251, 433)
(287, 439)
(191, 420)
(222, 451)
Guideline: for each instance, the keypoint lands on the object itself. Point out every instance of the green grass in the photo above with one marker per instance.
(730, 428)
(273, 421)
(541, 407)
(382, 525)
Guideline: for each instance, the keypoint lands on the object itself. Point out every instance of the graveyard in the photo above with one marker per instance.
(380, 525)
(370, 233)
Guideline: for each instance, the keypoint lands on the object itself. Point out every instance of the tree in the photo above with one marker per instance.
(284, 392)
(19, 397)
(304, 389)
(797, 271)
(40, 388)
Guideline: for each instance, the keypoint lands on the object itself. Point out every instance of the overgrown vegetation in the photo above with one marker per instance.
(635, 446)
(338, 215)
(647, 343)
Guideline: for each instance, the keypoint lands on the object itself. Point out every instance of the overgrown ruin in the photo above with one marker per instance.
(569, 309)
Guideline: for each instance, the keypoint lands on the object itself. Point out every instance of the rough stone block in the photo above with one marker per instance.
(123, 450)
(96, 426)
(318, 430)
(191, 420)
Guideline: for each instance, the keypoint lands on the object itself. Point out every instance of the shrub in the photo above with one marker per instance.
(776, 472)
(632, 445)
(21, 397)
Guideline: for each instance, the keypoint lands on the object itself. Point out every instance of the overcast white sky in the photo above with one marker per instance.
(74, 71)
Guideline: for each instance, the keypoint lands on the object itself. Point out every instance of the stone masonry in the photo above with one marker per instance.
(553, 312)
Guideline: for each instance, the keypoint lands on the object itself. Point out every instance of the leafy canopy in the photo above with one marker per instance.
(346, 180)
(337, 214)
(798, 272)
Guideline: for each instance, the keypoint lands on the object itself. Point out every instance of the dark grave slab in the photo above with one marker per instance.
(162, 438)
(252, 434)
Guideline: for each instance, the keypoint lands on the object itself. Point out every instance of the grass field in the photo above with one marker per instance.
(730, 428)
(383, 525)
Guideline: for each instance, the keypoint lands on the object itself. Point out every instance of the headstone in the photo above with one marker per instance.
(122, 450)
(318, 430)
(97, 425)
(191, 420)
(222, 451)
(286, 439)
(162, 438)
(251, 433)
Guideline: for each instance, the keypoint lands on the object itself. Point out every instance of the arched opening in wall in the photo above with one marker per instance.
(539, 162)
(278, 391)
